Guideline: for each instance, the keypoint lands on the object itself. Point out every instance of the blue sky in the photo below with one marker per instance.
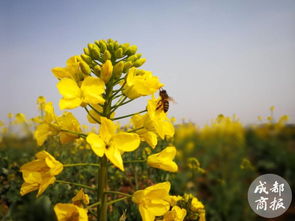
(230, 57)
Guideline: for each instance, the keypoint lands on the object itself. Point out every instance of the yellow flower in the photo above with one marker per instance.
(145, 135)
(153, 201)
(176, 214)
(73, 96)
(52, 125)
(10, 115)
(45, 129)
(157, 120)
(70, 212)
(68, 122)
(20, 118)
(174, 199)
(140, 83)
(42, 132)
(40, 173)
(196, 205)
(41, 101)
(106, 71)
(164, 159)
(111, 144)
(72, 69)
(80, 198)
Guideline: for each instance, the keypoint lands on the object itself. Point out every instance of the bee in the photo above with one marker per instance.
(164, 102)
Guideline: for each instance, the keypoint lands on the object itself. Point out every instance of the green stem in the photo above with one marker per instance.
(117, 104)
(75, 184)
(109, 203)
(102, 186)
(118, 200)
(91, 115)
(118, 193)
(93, 205)
(136, 129)
(95, 109)
(81, 164)
(135, 161)
(74, 132)
(129, 115)
(120, 89)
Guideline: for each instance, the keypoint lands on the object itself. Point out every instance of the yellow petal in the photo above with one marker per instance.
(164, 159)
(34, 165)
(145, 214)
(49, 112)
(28, 187)
(151, 138)
(45, 183)
(165, 186)
(69, 103)
(138, 196)
(70, 212)
(32, 176)
(80, 198)
(106, 71)
(158, 207)
(92, 89)
(60, 72)
(114, 155)
(126, 141)
(107, 129)
(42, 132)
(97, 144)
(68, 88)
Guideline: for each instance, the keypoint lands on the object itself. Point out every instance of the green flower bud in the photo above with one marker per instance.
(138, 55)
(85, 68)
(131, 58)
(118, 69)
(139, 62)
(119, 53)
(96, 70)
(87, 59)
(95, 51)
(125, 47)
(110, 46)
(86, 51)
(131, 50)
(107, 55)
(116, 45)
(127, 65)
(102, 45)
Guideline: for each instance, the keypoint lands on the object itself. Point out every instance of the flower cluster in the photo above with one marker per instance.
(101, 80)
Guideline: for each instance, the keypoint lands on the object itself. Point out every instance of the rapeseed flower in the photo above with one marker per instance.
(112, 144)
(153, 201)
(140, 83)
(148, 136)
(39, 174)
(67, 121)
(70, 212)
(90, 92)
(80, 198)
(164, 159)
(54, 125)
(176, 214)
(72, 70)
(157, 120)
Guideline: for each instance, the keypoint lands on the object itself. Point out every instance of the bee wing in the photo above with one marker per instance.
(172, 100)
